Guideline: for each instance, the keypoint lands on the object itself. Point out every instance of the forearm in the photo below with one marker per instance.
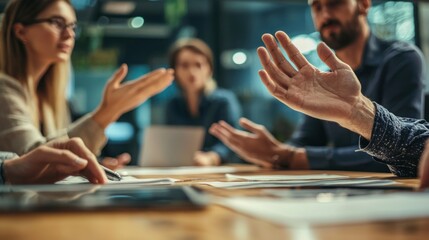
(398, 142)
(90, 132)
(103, 116)
(343, 159)
(361, 120)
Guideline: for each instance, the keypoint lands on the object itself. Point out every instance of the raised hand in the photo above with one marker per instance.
(331, 96)
(120, 98)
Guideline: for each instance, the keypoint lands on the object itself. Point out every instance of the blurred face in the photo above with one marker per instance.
(337, 21)
(50, 37)
(192, 70)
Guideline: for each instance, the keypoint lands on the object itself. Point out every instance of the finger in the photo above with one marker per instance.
(277, 55)
(251, 126)
(48, 155)
(294, 54)
(150, 77)
(329, 58)
(274, 72)
(235, 133)
(93, 169)
(276, 90)
(221, 134)
(157, 83)
(118, 76)
(236, 146)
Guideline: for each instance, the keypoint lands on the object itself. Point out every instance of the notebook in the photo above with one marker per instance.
(170, 146)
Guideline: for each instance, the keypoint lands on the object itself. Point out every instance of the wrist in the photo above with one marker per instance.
(299, 160)
(362, 117)
(5, 173)
(104, 117)
(286, 156)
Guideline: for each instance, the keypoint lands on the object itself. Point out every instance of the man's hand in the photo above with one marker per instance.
(54, 162)
(257, 146)
(333, 96)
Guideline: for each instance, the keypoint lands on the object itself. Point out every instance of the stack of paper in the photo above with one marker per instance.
(125, 180)
(316, 180)
(133, 171)
(349, 210)
(284, 177)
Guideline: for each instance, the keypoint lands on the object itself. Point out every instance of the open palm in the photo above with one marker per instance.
(326, 95)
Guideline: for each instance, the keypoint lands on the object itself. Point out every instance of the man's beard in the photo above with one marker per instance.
(347, 35)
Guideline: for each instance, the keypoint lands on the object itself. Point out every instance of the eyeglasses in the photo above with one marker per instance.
(57, 22)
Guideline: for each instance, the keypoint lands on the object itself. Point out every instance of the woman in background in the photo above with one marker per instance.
(37, 39)
(200, 103)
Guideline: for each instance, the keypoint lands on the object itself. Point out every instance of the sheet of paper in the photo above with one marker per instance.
(302, 183)
(283, 177)
(125, 180)
(316, 212)
(133, 171)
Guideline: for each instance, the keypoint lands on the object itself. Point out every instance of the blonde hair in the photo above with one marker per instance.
(51, 90)
(196, 46)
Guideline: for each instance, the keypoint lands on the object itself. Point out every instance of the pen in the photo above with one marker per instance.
(112, 175)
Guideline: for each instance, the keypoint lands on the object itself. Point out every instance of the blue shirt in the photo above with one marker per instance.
(392, 74)
(221, 104)
(397, 142)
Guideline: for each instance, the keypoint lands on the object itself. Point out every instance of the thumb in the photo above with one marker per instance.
(118, 76)
(328, 57)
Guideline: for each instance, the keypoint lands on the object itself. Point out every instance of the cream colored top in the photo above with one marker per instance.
(18, 132)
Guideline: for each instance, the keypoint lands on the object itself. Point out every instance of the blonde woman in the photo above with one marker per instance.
(37, 39)
(200, 103)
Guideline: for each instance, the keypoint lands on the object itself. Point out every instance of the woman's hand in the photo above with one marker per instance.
(120, 98)
(54, 162)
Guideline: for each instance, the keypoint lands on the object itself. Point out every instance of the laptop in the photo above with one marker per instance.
(170, 146)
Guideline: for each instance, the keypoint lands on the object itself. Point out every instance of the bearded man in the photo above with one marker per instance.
(391, 74)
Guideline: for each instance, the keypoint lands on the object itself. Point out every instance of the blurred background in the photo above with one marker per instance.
(139, 33)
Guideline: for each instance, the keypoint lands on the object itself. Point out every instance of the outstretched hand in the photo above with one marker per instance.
(257, 146)
(119, 97)
(331, 96)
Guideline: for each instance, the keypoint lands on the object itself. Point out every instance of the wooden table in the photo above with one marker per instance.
(214, 222)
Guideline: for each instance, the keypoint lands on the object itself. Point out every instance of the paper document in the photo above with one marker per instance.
(302, 183)
(284, 177)
(317, 212)
(133, 171)
(125, 180)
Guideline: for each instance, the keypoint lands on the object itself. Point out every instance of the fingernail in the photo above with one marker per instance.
(80, 161)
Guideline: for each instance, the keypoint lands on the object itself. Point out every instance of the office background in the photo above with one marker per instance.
(139, 33)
